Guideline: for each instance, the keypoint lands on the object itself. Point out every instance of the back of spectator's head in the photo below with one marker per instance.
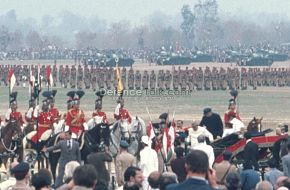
(280, 180)
(264, 185)
(232, 181)
(131, 186)
(69, 169)
(20, 171)
(197, 162)
(167, 178)
(227, 155)
(153, 179)
(201, 139)
(41, 179)
(130, 172)
(85, 176)
(179, 152)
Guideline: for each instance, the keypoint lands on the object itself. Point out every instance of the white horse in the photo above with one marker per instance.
(132, 132)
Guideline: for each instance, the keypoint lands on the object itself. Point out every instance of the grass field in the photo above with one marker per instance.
(270, 102)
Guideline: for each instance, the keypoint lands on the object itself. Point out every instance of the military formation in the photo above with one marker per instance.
(91, 77)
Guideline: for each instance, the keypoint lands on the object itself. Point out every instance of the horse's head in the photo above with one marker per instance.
(125, 128)
(255, 125)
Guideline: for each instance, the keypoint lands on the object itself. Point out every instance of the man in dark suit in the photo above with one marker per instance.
(212, 122)
(199, 176)
(251, 152)
(70, 151)
(178, 164)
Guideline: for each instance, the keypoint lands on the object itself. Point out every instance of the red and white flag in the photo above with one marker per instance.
(166, 142)
(172, 133)
(11, 79)
(49, 76)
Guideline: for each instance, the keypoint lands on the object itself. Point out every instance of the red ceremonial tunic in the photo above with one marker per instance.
(54, 113)
(123, 114)
(16, 116)
(45, 121)
(230, 114)
(30, 120)
(75, 119)
(101, 114)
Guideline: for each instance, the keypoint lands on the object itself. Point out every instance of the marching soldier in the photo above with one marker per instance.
(183, 81)
(244, 79)
(131, 79)
(87, 79)
(145, 80)
(207, 78)
(176, 81)
(73, 77)
(75, 117)
(80, 77)
(167, 78)
(121, 112)
(160, 82)
(61, 75)
(66, 79)
(124, 77)
(54, 74)
(12, 115)
(137, 80)
(100, 78)
(152, 80)
(199, 81)
(94, 78)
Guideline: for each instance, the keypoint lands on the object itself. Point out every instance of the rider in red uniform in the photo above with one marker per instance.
(232, 111)
(98, 108)
(53, 110)
(121, 112)
(12, 115)
(45, 121)
(75, 117)
(29, 115)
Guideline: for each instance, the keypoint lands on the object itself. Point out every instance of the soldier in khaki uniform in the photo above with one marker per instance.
(73, 77)
(160, 82)
(54, 74)
(244, 79)
(175, 80)
(152, 80)
(131, 79)
(168, 79)
(123, 161)
(207, 79)
(124, 77)
(101, 77)
(137, 80)
(94, 78)
(145, 80)
(87, 79)
(199, 81)
(183, 82)
(215, 79)
(80, 77)
(223, 79)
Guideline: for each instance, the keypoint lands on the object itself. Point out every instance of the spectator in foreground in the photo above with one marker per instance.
(200, 176)
(166, 179)
(178, 164)
(153, 180)
(133, 175)
(21, 174)
(286, 162)
(42, 180)
(11, 179)
(132, 186)
(69, 170)
(264, 185)
(85, 177)
(273, 174)
(279, 182)
(232, 181)
(249, 177)
(222, 169)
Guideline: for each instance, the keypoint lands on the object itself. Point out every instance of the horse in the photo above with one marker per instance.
(131, 132)
(11, 136)
(255, 125)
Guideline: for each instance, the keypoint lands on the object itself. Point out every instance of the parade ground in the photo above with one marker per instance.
(271, 103)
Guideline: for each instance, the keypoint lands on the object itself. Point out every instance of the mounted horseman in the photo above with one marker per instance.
(53, 110)
(75, 117)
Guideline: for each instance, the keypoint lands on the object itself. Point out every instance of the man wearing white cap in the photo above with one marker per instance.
(148, 160)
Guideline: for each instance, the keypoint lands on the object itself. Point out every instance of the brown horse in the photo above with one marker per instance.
(11, 141)
(255, 125)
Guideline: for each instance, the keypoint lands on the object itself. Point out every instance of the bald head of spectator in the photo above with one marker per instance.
(154, 179)
(264, 185)
(279, 182)
(233, 181)
(166, 179)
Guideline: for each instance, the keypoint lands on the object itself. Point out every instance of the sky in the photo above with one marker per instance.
(137, 10)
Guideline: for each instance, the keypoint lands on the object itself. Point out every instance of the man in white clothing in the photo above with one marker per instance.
(148, 160)
(195, 131)
(205, 148)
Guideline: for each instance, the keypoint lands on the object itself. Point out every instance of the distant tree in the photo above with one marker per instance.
(33, 40)
(85, 39)
(187, 25)
(16, 40)
(5, 38)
